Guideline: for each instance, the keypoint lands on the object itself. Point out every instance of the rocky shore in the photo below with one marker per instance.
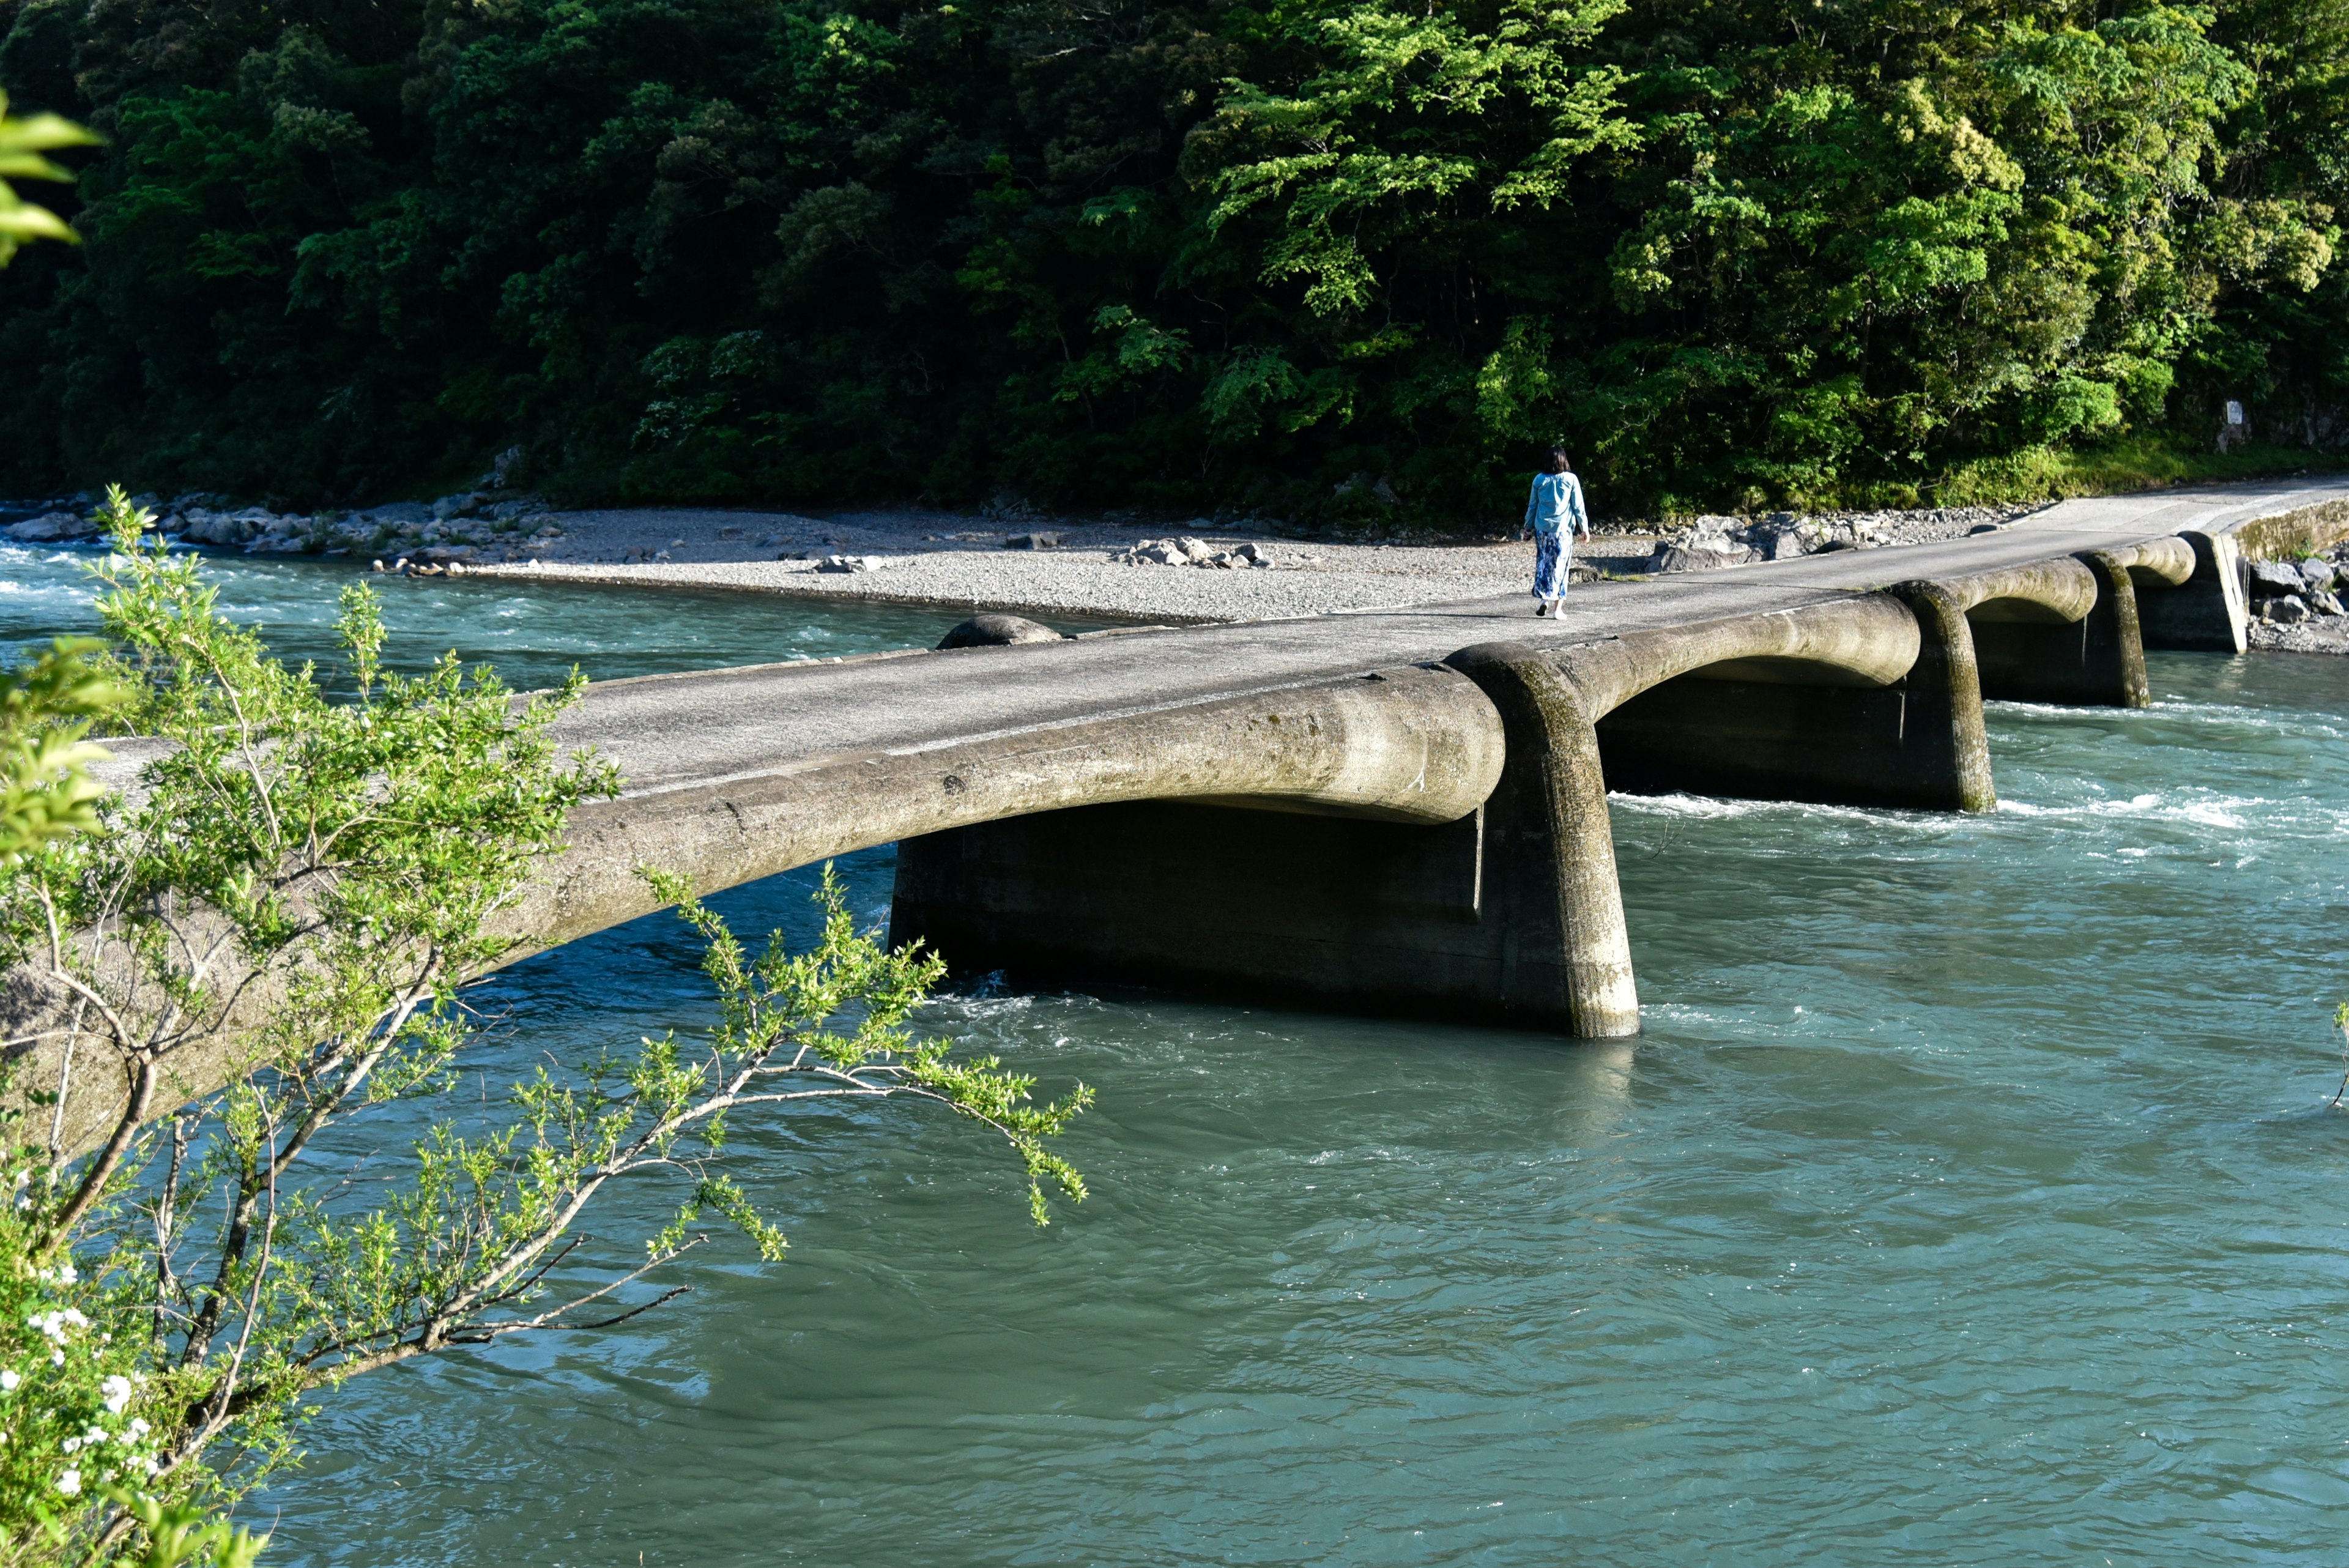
(2296, 605)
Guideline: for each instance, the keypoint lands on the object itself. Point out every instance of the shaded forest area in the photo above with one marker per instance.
(1314, 258)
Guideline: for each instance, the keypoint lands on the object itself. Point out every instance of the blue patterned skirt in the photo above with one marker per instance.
(1549, 566)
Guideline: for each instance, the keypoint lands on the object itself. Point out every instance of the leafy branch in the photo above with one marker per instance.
(287, 904)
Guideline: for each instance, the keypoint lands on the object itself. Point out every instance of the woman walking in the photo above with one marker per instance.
(1554, 512)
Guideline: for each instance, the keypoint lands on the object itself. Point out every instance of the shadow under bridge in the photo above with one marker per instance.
(1508, 910)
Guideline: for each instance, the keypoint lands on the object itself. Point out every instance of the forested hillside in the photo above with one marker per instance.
(1307, 256)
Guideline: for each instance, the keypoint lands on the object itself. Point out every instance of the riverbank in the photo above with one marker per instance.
(1192, 572)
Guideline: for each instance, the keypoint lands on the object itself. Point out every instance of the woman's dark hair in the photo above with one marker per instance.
(1558, 462)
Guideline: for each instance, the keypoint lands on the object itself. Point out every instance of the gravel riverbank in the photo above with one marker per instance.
(927, 557)
(1113, 569)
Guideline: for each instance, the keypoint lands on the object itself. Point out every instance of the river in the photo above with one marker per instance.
(1971, 1197)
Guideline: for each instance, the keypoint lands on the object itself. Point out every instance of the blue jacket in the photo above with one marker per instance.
(1556, 504)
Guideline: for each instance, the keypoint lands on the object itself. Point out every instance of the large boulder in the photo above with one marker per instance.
(398, 516)
(2274, 579)
(2318, 573)
(286, 536)
(1183, 552)
(1699, 555)
(1777, 537)
(2288, 610)
(51, 526)
(203, 525)
(993, 630)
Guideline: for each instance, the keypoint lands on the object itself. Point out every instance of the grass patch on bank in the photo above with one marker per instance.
(2049, 473)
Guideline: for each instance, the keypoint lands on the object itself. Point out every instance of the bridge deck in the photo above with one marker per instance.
(668, 732)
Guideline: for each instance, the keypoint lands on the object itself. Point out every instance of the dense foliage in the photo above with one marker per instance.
(238, 989)
(1303, 256)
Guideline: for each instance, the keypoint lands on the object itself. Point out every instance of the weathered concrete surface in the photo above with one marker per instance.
(1403, 745)
(735, 775)
(1849, 701)
(2030, 651)
(2207, 612)
(1510, 915)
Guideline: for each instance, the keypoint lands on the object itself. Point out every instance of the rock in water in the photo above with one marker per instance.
(993, 630)
(51, 526)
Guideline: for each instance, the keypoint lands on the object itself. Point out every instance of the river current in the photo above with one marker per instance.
(1971, 1197)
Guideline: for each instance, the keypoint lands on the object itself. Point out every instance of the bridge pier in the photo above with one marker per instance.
(1764, 730)
(2209, 611)
(1509, 915)
(2029, 653)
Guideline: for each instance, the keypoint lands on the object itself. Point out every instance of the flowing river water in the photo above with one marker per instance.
(1971, 1197)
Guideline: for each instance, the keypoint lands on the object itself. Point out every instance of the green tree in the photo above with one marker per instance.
(260, 946)
(22, 142)
(1322, 258)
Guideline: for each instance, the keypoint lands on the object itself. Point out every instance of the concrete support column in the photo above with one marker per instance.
(1549, 853)
(1510, 915)
(1946, 743)
(2115, 651)
(2207, 612)
(2096, 662)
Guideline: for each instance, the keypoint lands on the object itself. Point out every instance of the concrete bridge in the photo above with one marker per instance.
(1394, 811)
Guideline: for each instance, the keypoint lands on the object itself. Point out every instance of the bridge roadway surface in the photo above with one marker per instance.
(679, 731)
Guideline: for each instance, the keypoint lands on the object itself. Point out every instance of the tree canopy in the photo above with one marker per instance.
(1303, 256)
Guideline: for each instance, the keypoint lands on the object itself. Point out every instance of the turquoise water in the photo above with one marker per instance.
(1969, 1199)
(534, 632)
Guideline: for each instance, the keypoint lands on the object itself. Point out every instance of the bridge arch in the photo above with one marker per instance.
(1852, 700)
(2067, 631)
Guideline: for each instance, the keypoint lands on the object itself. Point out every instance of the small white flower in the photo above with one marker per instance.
(71, 1445)
(154, 1465)
(94, 1437)
(57, 1358)
(117, 1390)
(10, 1379)
(54, 1323)
(69, 1483)
(138, 1428)
(66, 1273)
